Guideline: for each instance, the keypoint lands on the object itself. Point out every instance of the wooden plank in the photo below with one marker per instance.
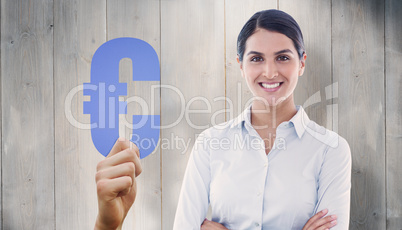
(140, 19)
(314, 90)
(358, 67)
(27, 114)
(393, 73)
(192, 60)
(80, 28)
(236, 15)
(1, 121)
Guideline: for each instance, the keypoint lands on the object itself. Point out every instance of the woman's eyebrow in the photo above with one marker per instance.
(255, 52)
(276, 53)
(283, 51)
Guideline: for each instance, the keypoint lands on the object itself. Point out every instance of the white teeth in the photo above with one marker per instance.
(269, 86)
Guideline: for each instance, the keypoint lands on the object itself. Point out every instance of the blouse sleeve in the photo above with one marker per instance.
(193, 202)
(334, 184)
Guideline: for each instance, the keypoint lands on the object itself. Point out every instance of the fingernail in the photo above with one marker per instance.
(324, 211)
(334, 217)
(333, 222)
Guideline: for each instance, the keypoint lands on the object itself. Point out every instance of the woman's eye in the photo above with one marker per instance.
(283, 58)
(256, 59)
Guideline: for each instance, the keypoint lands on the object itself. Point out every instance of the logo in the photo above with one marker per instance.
(104, 90)
(331, 92)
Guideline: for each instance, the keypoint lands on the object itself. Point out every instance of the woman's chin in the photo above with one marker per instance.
(270, 101)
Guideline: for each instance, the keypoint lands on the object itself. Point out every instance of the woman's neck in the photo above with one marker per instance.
(265, 116)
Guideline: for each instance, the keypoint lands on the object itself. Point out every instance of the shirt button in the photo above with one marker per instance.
(265, 165)
(259, 194)
(257, 224)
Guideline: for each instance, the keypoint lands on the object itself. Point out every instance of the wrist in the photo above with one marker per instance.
(101, 226)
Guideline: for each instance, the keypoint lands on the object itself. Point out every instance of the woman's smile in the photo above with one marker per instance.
(270, 87)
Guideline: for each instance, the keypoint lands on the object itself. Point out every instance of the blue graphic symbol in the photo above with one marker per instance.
(105, 89)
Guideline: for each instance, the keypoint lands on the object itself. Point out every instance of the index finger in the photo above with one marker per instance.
(122, 144)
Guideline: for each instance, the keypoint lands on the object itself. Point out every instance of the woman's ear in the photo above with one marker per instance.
(238, 61)
(302, 64)
(241, 65)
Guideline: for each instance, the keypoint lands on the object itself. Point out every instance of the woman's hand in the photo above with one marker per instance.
(116, 186)
(210, 225)
(317, 222)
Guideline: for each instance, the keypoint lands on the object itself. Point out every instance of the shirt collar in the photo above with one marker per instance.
(299, 121)
(243, 117)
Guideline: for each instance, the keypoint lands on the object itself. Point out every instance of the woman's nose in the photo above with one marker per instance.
(270, 70)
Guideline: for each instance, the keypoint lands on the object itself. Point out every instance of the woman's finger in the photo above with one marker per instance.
(125, 169)
(328, 226)
(325, 223)
(120, 144)
(110, 188)
(211, 225)
(126, 155)
(314, 218)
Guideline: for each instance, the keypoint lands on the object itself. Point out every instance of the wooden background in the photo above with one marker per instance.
(352, 85)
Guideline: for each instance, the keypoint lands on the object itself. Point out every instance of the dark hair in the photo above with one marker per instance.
(275, 21)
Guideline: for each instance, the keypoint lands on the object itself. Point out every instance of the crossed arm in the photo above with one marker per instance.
(318, 222)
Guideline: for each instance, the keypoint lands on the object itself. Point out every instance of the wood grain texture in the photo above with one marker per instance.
(1, 121)
(192, 58)
(314, 90)
(79, 30)
(140, 19)
(237, 13)
(358, 67)
(393, 73)
(27, 115)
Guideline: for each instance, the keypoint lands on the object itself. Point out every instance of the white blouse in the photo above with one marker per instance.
(307, 170)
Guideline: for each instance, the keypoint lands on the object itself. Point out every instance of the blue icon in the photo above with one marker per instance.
(105, 89)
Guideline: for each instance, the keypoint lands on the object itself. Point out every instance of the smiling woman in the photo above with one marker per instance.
(267, 187)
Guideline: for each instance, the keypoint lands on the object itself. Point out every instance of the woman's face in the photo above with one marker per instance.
(271, 66)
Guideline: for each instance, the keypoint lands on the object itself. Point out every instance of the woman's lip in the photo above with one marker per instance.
(270, 84)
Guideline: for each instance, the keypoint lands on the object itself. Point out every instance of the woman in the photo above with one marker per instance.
(271, 167)
(300, 169)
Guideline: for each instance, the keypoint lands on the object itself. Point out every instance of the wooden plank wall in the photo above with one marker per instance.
(27, 95)
(393, 94)
(358, 66)
(352, 85)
